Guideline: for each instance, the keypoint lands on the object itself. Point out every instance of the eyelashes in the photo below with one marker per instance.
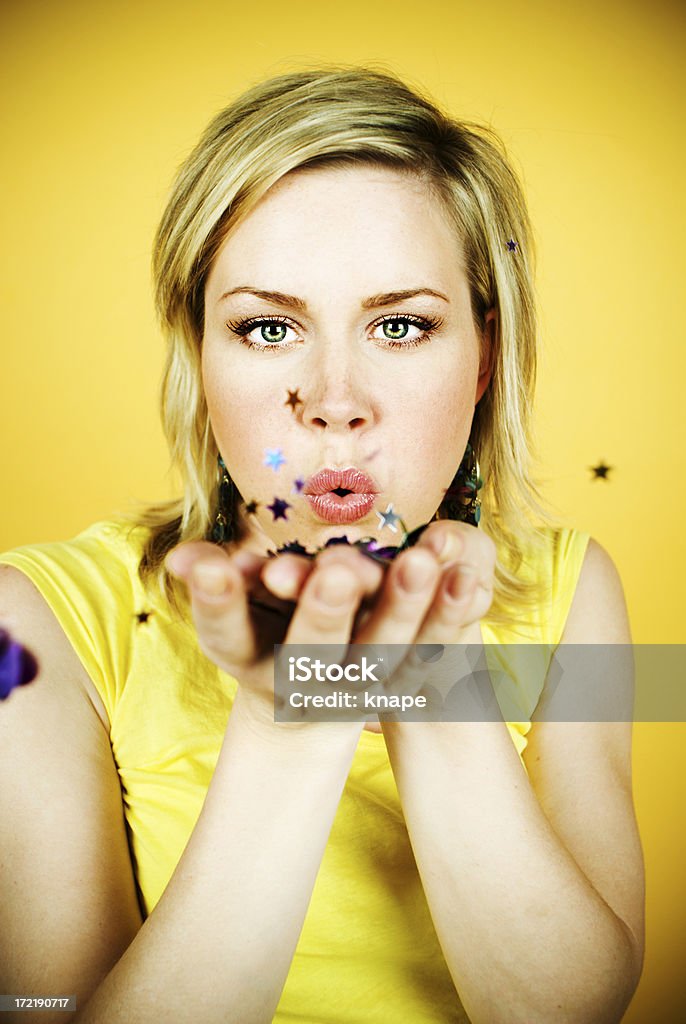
(242, 328)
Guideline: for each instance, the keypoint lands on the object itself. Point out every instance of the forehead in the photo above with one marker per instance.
(354, 223)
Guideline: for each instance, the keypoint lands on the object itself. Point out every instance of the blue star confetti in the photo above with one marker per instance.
(274, 457)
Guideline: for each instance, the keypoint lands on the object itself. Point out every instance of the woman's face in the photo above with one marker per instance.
(336, 372)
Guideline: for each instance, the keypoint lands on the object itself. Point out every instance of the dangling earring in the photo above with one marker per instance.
(462, 501)
(222, 529)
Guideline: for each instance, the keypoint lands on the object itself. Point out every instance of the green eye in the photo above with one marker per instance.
(270, 329)
(399, 329)
(396, 330)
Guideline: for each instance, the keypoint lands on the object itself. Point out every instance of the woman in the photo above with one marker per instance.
(344, 276)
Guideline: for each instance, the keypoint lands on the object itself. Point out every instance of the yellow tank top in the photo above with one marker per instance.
(368, 951)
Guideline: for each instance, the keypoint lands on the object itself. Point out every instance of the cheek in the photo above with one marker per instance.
(439, 409)
(228, 403)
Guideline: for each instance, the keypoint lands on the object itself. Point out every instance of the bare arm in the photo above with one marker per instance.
(219, 944)
(535, 885)
(234, 908)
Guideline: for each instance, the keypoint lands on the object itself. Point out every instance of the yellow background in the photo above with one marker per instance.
(101, 104)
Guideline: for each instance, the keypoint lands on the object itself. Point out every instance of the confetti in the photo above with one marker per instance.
(273, 457)
(294, 547)
(278, 508)
(601, 471)
(294, 399)
(17, 665)
(389, 519)
(368, 546)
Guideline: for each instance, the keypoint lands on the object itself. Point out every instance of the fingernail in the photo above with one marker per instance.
(336, 587)
(445, 546)
(210, 579)
(415, 575)
(461, 582)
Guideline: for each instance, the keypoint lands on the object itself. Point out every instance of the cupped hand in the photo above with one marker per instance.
(242, 604)
(433, 593)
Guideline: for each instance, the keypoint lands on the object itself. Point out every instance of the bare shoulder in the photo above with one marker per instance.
(598, 613)
(31, 621)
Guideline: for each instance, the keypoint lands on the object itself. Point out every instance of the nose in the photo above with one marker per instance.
(336, 392)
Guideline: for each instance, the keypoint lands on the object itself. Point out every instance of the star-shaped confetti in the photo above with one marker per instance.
(293, 399)
(251, 508)
(294, 547)
(336, 540)
(600, 472)
(512, 245)
(273, 457)
(369, 546)
(278, 508)
(143, 617)
(17, 665)
(389, 519)
(298, 485)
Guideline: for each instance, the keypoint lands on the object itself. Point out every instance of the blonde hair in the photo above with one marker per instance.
(334, 115)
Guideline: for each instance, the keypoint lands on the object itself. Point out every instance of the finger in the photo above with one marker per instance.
(285, 575)
(182, 558)
(445, 539)
(407, 593)
(463, 598)
(468, 557)
(458, 542)
(219, 601)
(327, 606)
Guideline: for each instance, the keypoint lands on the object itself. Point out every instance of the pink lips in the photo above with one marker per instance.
(339, 508)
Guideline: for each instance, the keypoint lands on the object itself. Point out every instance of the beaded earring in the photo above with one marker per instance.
(462, 501)
(222, 529)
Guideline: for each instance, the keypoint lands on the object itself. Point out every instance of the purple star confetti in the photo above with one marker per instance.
(278, 508)
(512, 245)
(17, 665)
(298, 485)
(274, 457)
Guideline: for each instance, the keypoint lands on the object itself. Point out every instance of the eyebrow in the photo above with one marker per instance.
(373, 302)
